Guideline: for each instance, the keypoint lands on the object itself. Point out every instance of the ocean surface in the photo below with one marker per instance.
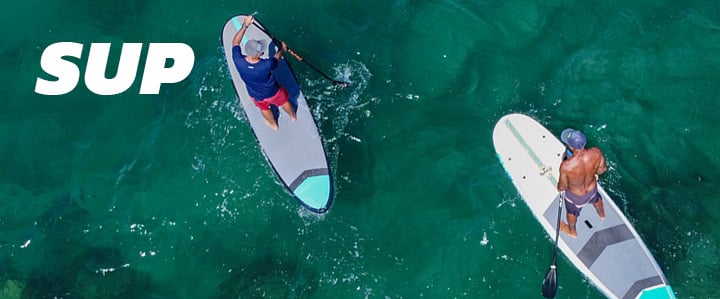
(169, 196)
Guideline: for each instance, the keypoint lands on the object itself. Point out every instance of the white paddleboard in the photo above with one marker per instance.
(608, 252)
(295, 152)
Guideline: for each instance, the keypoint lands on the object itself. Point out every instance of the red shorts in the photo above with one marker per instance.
(280, 97)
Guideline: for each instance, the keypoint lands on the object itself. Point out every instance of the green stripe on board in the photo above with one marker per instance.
(237, 23)
(529, 150)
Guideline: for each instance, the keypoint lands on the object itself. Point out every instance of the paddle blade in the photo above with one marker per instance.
(341, 84)
(549, 286)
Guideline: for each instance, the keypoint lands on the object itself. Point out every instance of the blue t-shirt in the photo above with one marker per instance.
(258, 78)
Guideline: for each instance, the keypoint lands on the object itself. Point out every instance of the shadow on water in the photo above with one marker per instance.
(62, 220)
(124, 14)
(269, 277)
(94, 273)
(66, 266)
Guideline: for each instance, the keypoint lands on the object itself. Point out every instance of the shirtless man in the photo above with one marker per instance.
(578, 178)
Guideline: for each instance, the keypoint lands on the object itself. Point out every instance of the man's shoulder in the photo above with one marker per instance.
(270, 60)
(237, 53)
(566, 164)
(595, 151)
(267, 63)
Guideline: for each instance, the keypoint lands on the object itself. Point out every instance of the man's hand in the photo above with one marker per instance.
(249, 20)
(283, 49)
(237, 39)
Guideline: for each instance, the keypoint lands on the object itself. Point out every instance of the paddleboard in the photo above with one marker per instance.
(609, 252)
(295, 151)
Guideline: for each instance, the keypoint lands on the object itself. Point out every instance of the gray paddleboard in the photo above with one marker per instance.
(295, 151)
(608, 252)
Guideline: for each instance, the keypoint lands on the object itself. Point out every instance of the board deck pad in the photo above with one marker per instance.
(608, 252)
(295, 152)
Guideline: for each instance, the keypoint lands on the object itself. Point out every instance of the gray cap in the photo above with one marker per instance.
(574, 138)
(254, 47)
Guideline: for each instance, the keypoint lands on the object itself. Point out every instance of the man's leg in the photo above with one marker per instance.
(599, 207)
(269, 119)
(288, 107)
(569, 228)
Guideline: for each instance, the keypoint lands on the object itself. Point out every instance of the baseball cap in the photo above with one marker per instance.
(573, 138)
(254, 47)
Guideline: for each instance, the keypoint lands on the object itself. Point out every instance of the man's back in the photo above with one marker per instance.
(580, 171)
(257, 76)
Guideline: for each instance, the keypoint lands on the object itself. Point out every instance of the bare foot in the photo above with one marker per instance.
(566, 229)
(288, 107)
(271, 125)
(269, 118)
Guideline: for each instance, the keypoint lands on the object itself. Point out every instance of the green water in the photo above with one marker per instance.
(168, 196)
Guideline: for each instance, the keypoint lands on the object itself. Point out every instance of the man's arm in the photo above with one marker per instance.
(239, 35)
(280, 52)
(602, 165)
(562, 181)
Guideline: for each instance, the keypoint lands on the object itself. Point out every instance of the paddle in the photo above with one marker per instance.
(298, 57)
(549, 285)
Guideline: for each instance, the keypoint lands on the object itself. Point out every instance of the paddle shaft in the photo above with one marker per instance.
(557, 227)
(549, 286)
(298, 57)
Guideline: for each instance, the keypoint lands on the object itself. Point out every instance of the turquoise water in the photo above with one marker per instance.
(168, 196)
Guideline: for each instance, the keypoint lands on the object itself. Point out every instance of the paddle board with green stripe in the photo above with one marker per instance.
(295, 152)
(608, 252)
